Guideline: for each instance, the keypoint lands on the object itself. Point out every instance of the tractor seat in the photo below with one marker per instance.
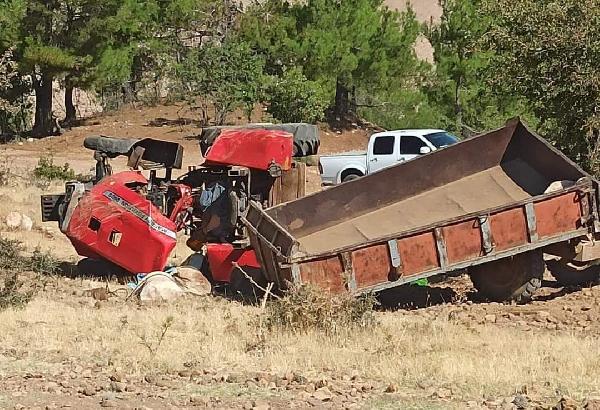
(164, 154)
(113, 147)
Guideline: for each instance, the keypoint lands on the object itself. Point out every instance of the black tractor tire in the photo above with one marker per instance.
(350, 177)
(571, 273)
(306, 136)
(511, 279)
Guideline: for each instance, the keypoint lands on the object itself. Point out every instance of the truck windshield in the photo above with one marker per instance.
(441, 139)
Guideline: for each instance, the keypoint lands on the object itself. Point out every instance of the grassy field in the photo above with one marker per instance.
(415, 358)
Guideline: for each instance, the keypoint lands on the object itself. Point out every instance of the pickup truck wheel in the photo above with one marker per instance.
(515, 278)
(350, 177)
(571, 273)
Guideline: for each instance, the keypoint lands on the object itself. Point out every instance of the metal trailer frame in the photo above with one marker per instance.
(453, 244)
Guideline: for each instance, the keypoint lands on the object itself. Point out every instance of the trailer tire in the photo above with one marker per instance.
(514, 278)
(573, 273)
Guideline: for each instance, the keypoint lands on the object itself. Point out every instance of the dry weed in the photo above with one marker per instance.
(13, 261)
(11, 293)
(306, 308)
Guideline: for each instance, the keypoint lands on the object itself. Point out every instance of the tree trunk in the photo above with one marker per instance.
(457, 105)
(44, 123)
(342, 100)
(70, 112)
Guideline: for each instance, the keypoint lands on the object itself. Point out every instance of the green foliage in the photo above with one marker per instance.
(10, 254)
(13, 103)
(461, 87)
(294, 98)
(11, 13)
(307, 308)
(341, 45)
(13, 261)
(11, 292)
(114, 66)
(13, 258)
(548, 52)
(403, 108)
(46, 169)
(123, 50)
(148, 41)
(53, 59)
(226, 76)
(43, 263)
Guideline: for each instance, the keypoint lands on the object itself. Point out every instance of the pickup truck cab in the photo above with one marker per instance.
(385, 149)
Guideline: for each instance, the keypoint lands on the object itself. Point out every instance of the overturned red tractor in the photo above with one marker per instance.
(131, 221)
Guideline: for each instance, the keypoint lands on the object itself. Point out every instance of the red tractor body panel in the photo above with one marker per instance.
(256, 149)
(116, 223)
(222, 256)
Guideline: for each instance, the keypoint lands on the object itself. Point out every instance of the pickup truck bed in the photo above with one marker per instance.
(480, 200)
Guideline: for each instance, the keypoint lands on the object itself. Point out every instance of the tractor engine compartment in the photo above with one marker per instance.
(132, 221)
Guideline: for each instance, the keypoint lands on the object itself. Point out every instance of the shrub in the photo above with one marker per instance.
(10, 255)
(42, 263)
(14, 106)
(11, 293)
(12, 263)
(293, 98)
(46, 169)
(227, 76)
(306, 308)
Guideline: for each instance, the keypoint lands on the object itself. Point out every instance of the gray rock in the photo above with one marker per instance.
(26, 223)
(13, 220)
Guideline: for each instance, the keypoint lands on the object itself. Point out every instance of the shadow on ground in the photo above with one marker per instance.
(415, 297)
(455, 290)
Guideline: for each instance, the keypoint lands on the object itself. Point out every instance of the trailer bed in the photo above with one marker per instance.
(480, 200)
(484, 190)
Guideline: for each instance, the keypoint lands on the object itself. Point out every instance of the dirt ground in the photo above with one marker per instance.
(431, 347)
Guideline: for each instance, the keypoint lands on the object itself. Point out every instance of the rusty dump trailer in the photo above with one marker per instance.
(492, 204)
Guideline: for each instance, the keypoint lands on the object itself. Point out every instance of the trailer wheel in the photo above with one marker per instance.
(573, 273)
(515, 278)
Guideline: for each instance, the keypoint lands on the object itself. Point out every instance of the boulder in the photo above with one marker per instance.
(193, 280)
(13, 220)
(558, 186)
(26, 223)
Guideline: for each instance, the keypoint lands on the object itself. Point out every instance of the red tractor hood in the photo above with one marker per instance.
(258, 149)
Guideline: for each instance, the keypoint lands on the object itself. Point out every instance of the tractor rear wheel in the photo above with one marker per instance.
(514, 278)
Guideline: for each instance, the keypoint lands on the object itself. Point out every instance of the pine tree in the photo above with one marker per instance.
(549, 53)
(343, 45)
(463, 88)
(59, 39)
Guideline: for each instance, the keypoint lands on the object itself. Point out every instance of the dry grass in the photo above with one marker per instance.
(306, 308)
(214, 334)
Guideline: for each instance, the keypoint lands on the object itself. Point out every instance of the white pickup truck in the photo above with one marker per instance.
(385, 149)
